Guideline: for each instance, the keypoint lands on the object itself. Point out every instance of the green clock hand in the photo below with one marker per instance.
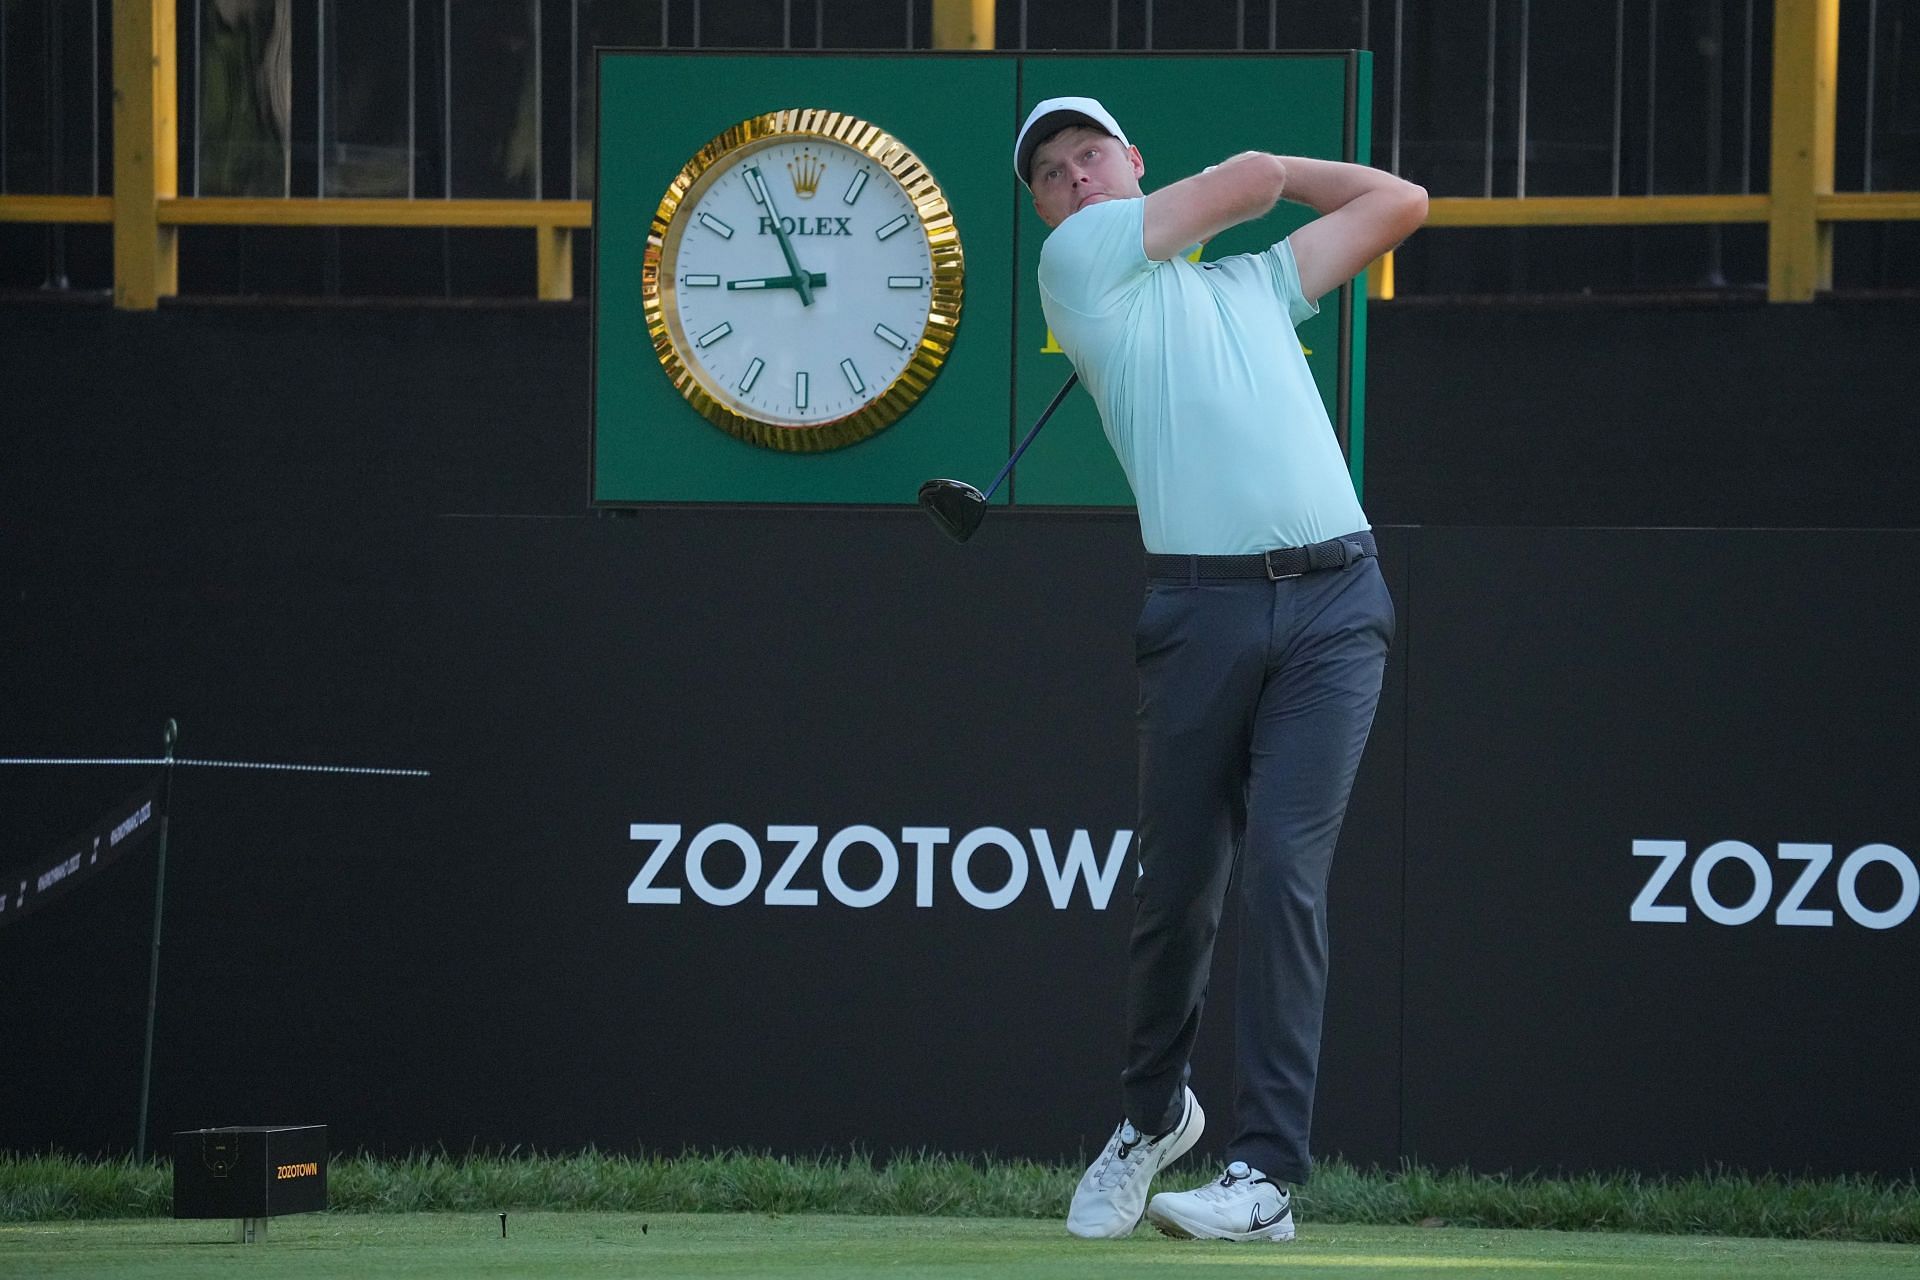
(816, 280)
(801, 282)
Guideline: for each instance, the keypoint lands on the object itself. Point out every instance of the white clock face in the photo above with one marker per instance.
(818, 327)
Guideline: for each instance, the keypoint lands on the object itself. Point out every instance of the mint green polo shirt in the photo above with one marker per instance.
(1202, 386)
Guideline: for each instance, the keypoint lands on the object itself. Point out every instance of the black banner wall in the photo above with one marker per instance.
(768, 829)
(887, 778)
(1662, 827)
(814, 831)
(835, 852)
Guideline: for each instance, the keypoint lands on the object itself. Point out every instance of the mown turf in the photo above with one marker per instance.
(48, 1188)
(559, 1246)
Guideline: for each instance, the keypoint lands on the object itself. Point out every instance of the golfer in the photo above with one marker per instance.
(1262, 640)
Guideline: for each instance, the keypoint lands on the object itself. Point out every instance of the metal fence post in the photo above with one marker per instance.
(963, 24)
(554, 270)
(146, 152)
(1806, 52)
(171, 736)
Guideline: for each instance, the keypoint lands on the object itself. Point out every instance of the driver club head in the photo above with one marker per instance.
(956, 506)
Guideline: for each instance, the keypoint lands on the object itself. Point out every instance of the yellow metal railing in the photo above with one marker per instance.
(146, 153)
(72, 209)
(146, 210)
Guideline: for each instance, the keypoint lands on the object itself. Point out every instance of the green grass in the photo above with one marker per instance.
(55, 1188)
(824, 1247)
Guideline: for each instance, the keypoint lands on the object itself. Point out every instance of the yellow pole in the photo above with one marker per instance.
(556, 262)
(146, 152)
(1806, 45)
(1380, 277)
(963, 24)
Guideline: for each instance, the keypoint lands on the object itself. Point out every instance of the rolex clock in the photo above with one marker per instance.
(803, 280)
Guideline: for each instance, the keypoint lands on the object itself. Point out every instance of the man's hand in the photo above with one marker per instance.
(1364, 213)
(1201, 207)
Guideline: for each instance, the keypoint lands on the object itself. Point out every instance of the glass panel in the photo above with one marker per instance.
(48, 114)
(71, 127)
(1581, 260)
(1895, 155)
(23, 94)
(1877, 142)
(1876, 255)
(494, 98)
(1443, 139)
(1051, 26)
(1180, 26)
(612, 24)
(845, 25)
(1294, 26)
(749, 24)
(1570, 101)
(366, 120)
(246, 97)
(1696, 98)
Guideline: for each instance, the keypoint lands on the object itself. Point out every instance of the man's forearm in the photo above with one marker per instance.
(1326, 185)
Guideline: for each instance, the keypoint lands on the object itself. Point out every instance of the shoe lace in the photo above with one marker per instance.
(1124, 1154)
(1228, 1186)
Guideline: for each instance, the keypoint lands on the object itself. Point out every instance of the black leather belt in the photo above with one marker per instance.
(1286, 562)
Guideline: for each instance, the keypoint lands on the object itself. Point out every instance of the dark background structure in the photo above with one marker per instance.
(359, 534)
(1653, 543)
(494, 98)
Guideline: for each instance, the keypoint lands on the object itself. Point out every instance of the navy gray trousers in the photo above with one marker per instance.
(1256, 698)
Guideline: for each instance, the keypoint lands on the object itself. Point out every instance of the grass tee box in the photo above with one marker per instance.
(558, 1246)
(958, 113)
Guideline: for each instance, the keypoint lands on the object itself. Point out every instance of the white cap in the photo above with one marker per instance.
(1054, 115)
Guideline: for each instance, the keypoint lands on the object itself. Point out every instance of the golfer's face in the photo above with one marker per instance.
(1081, 166)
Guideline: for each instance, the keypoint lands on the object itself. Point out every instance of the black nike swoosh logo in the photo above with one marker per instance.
(1261, 1224)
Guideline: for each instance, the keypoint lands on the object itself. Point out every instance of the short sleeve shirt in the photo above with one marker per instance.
(1202, 387)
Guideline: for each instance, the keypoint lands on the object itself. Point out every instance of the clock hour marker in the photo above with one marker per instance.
(854, 188)
(753, 375)
(853, 377)
(800, 390)
(899, 224)
(906, 282)
(714, 334)
(700, 282)
(716, 226)
(890, 337)
(756, 186)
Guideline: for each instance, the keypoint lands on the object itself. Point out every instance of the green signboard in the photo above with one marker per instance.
(955, 116)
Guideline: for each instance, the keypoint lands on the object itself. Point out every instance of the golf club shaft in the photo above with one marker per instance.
(1058, 396)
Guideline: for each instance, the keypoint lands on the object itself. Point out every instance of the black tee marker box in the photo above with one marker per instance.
(259, 1171)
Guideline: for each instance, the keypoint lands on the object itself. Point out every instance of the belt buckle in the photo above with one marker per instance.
(1266, 558)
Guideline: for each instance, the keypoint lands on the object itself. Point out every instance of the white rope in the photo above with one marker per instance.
(219, 764)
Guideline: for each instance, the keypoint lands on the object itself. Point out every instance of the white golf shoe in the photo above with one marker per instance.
(1113, 1192)
(1241, 1204)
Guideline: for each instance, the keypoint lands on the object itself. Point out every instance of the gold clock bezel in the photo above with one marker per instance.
(657, 289)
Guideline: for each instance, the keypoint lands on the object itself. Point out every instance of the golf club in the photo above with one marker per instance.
(956, 506)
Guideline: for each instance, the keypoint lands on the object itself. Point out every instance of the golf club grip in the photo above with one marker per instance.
(1033, 431)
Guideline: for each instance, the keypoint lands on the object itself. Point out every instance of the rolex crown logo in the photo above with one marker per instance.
(806, 171)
